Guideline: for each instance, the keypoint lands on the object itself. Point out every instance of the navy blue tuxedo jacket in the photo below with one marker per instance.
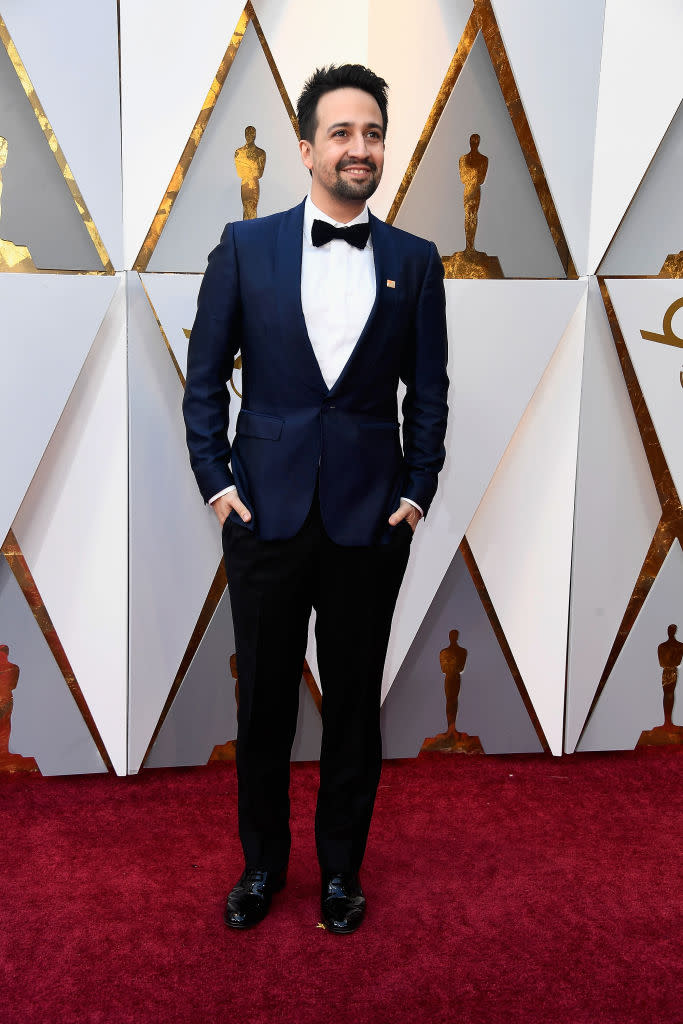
(292, 429)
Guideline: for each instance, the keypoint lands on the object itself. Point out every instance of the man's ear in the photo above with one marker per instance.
(306, 156)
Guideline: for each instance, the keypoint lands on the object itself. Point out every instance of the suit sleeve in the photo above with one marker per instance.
(425, 406)
(214, 342)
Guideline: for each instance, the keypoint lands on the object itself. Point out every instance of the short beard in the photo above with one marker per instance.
(355, 190)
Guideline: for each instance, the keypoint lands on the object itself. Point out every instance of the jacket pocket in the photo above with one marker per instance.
(259, 424)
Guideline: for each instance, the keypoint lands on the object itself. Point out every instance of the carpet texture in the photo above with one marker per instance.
(500, 889)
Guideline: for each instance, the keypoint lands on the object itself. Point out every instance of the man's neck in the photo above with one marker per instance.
(341, 210)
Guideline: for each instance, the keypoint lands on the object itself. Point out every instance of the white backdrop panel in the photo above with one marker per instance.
(174, 538)
(555, 50)
(632, 699)
(641, 85)
(653, 226)
(46, 723)
(521, 536)
(70, 51)
(511, 223)
(613, 485)
(641, 305)
(305, 34)
(210, 194)
(424, 34)
(170, 51)
(497, 354)
(73, 527)
(49, 322)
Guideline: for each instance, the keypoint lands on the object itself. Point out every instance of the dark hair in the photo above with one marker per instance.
(327, 79)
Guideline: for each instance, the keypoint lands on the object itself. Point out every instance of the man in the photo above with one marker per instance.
(318, 501)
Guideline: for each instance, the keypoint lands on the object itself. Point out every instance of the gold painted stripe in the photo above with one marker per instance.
(483, 19)
(195, 138)
(48, 132)
(670, 526)
(163, 335)
(457, 63)
(486, 601)
(273, 67)
(513, 101)
(22, 574)
(216, 591)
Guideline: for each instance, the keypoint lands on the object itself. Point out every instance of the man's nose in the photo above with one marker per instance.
(359, 146)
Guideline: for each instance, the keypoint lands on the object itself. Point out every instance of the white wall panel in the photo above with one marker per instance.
(70, 50)
(49, 322)
(305, 34)
(521, 536)
(497, 354)
(169, 56)
(174, 538)
(642, 305)
(511, 222)
(653, 226)
(210, 194)
(641, 85)
(73, 526)
(555, 51)
(631, 701)
(46, 723)
(614, 486)
(174, 301)
(424, 34)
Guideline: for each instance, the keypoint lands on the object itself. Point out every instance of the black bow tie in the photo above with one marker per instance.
(356, 234)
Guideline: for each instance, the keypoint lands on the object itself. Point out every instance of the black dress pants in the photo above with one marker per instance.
(273, 587)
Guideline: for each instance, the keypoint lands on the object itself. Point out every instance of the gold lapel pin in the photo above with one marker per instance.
(390, 283)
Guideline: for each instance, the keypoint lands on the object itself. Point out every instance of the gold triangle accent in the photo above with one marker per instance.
(187, 156)
(483, 20)
(670, 527)
(22, 574)
(48, 132)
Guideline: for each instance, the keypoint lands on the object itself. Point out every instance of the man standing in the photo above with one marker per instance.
(318, 500)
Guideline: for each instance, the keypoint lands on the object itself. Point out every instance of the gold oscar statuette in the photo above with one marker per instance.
(250, 162)
(670, 655)
(13, 258)
(673, 265)
(452, 660)
(472, 263)
(9, 677)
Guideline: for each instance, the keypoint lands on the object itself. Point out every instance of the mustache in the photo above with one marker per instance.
(370, 164)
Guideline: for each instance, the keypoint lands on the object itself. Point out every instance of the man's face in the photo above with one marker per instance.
(346, 156)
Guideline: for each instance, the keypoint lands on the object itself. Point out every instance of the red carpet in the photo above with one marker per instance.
(511, 889)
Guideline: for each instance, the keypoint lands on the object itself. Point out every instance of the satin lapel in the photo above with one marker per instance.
(288, 288)
(381, 256)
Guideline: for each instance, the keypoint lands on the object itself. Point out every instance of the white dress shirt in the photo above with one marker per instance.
(338, 287)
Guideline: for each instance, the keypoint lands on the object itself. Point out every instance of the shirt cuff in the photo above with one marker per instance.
(414, 504)
(226, 490)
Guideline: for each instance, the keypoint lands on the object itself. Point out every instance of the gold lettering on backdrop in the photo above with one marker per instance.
(673, 265)
(670, 655)
(471, 262)
(9, 677)
(237, 365)
(452, 660)
(668, 335)
(250, 163)
(13, 258)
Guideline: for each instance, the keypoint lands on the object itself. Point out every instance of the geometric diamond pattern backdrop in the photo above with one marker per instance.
(547, 578)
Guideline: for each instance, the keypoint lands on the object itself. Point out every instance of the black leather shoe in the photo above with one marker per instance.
(342, 903)
(249, 901)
